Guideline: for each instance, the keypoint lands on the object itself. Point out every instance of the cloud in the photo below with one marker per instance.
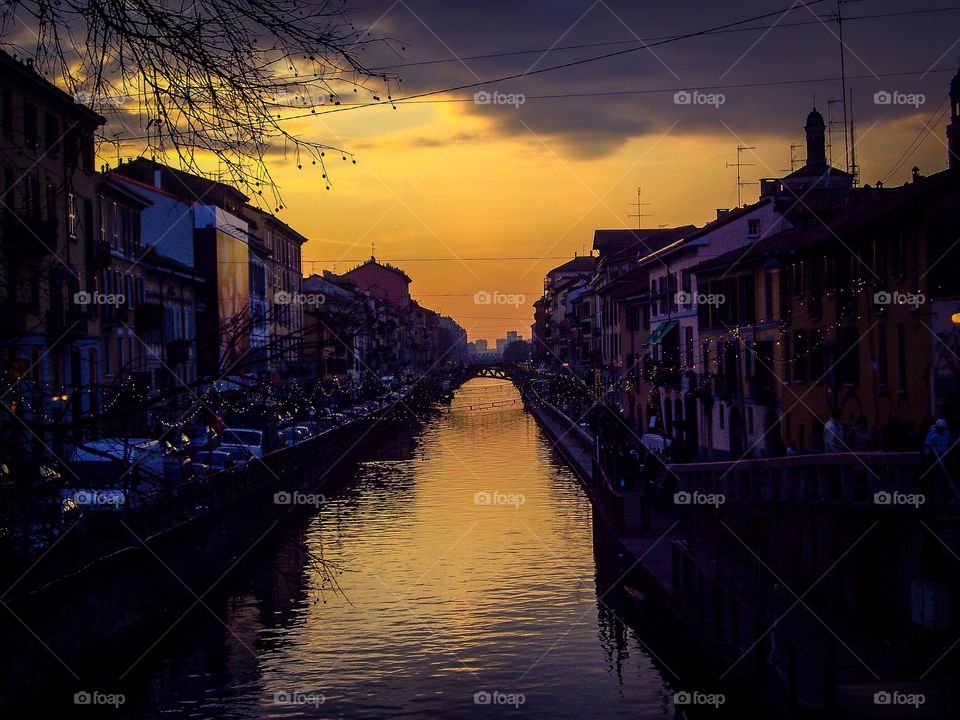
(758, 67)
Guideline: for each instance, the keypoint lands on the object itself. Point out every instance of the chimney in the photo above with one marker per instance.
(915, 174)
(721, 212)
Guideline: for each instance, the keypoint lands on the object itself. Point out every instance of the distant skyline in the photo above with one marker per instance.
(466, 197)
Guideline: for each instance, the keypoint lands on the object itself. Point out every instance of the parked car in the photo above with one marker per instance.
(200, 437)
(253, 441)
(292, 435)
(208, 462)
(311, 426)
(138, 466)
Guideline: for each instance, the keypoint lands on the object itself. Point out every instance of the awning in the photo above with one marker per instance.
(659, 332)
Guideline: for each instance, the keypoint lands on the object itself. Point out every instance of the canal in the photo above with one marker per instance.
(452, 575)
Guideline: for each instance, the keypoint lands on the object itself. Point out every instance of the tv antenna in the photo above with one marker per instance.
(639, 205)
(739, 164)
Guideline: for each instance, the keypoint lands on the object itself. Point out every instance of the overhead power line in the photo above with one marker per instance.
(818, 20)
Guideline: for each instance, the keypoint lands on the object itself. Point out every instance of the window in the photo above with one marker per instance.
(7, 118)
(51, 202)
(882, 364)
(30, 124)
(848, 364)
(31, 196)
(748, 358)
(899, 257)
(799, 275)
(768, 296)
(785, 345)
(800, 356)
(115, 226)
(688, 342)
(818, 356)
(51, 134)
(901, 357)
(72, 216)
(753, 228)
(721, 408)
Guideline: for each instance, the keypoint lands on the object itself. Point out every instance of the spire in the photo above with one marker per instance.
(816, 139)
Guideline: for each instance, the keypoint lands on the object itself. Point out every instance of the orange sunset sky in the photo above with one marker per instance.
(442, 183)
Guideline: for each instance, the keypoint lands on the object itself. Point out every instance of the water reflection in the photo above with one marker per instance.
(456, 566)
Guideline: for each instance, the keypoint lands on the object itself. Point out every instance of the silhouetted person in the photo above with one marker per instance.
(833, 434)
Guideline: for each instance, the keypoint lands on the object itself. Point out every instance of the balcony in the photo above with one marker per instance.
(28, 236)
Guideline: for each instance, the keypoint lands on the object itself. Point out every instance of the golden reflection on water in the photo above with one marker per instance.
(468, 567)
(463, 560)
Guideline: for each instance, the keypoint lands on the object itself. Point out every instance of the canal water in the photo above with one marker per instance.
(453, 575)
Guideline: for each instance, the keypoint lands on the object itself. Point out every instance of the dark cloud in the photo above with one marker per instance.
(749, 63)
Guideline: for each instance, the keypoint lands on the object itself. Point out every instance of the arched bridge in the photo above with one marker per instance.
(491, 369)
